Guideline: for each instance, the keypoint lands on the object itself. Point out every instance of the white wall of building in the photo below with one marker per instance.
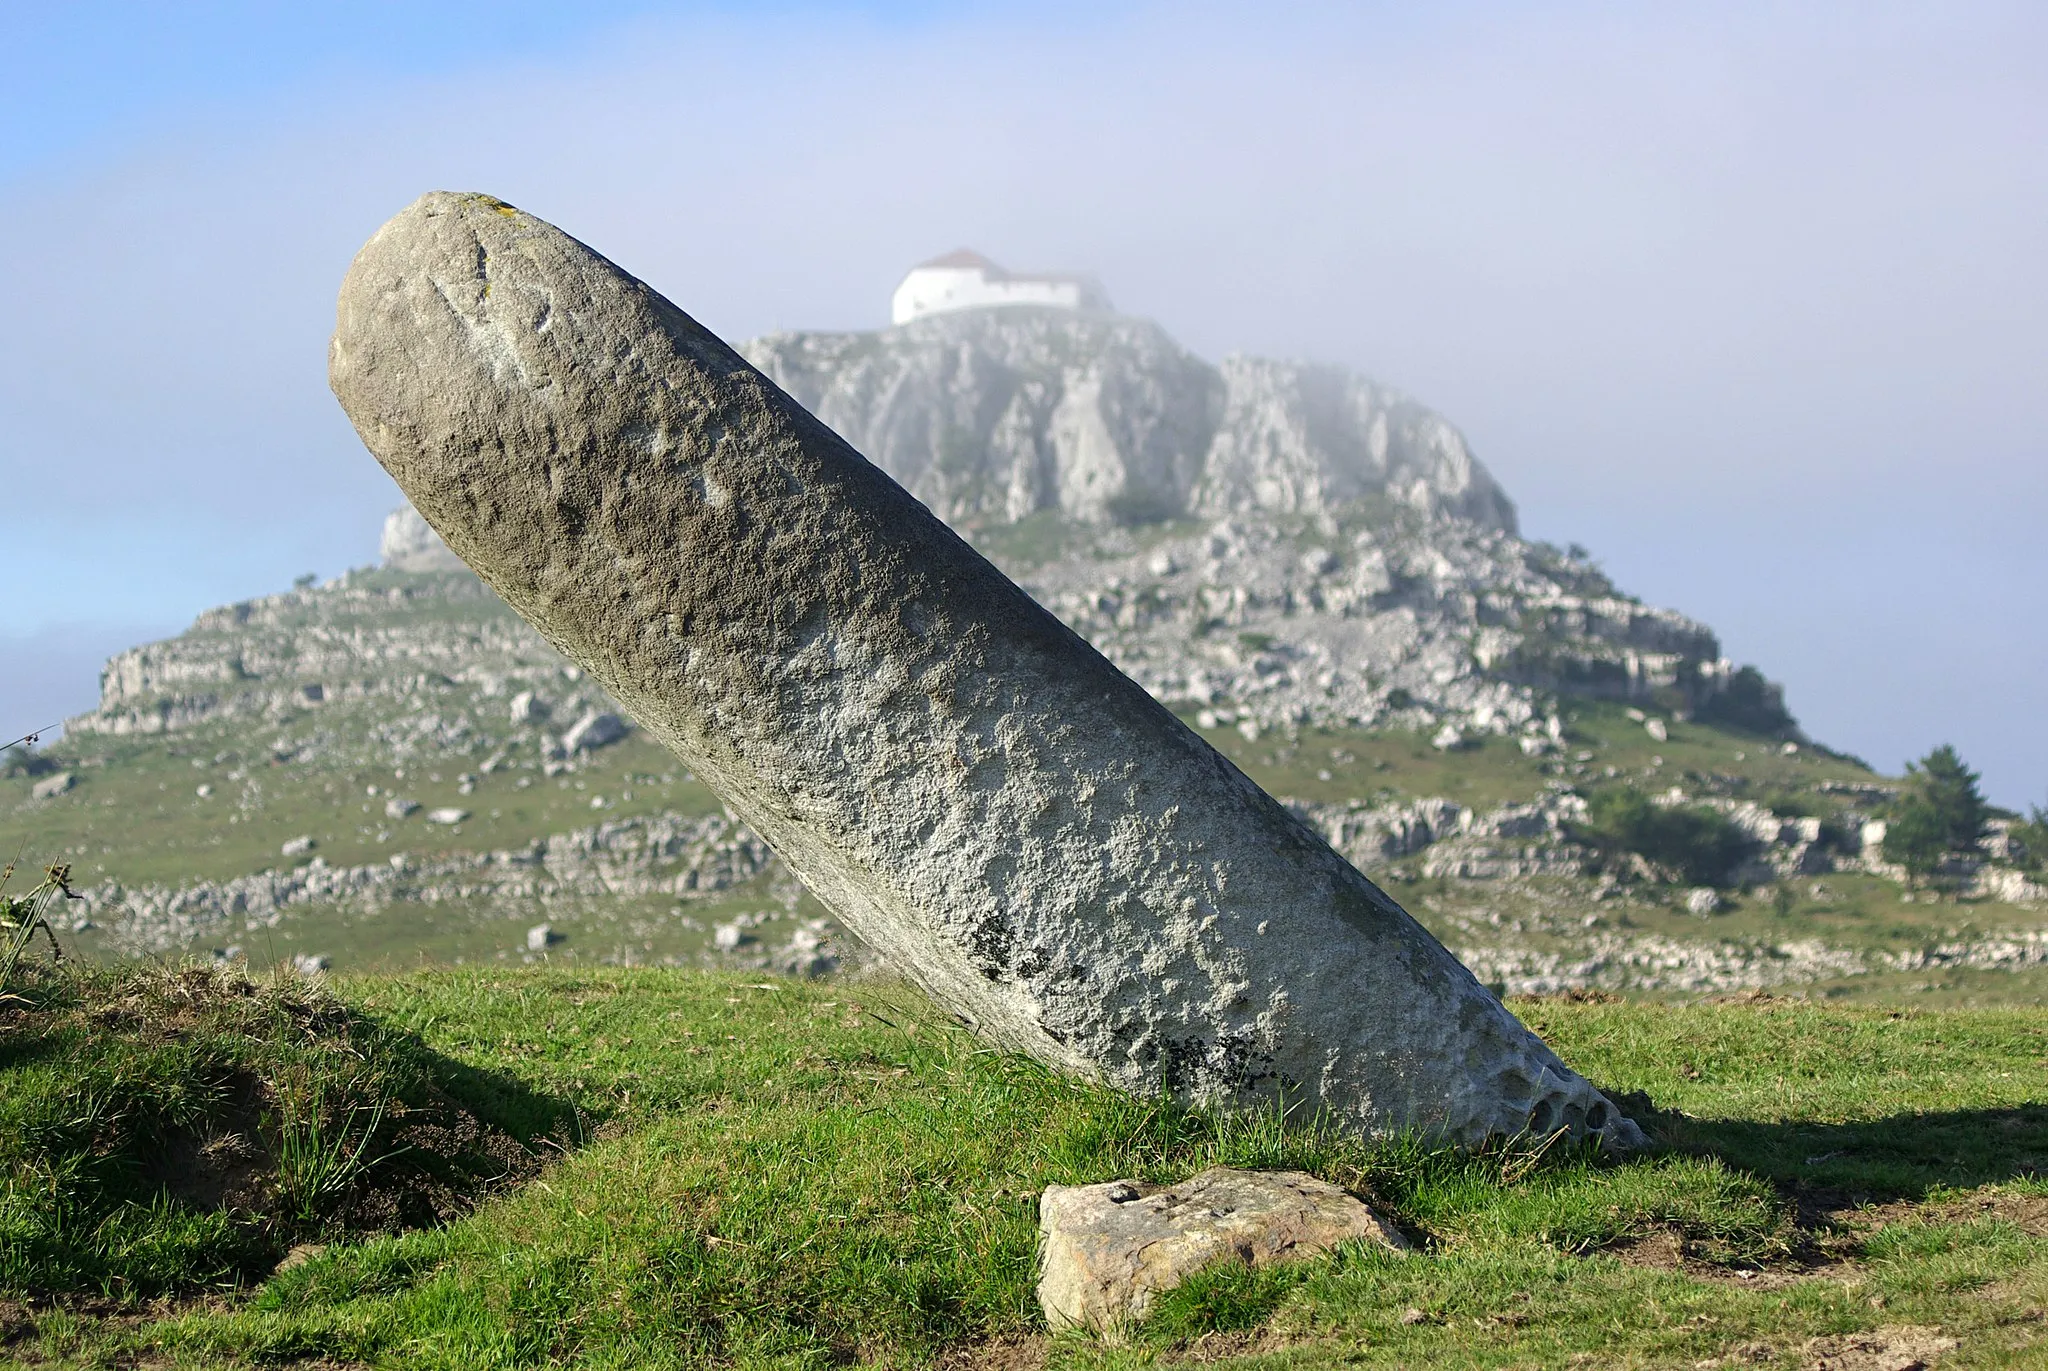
(950, 284)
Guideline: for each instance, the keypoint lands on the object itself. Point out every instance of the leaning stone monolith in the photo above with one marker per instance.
(975, 790)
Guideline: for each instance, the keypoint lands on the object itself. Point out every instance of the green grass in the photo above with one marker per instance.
(166, 1129)
(135, 818)
(797, 1174)
(135, 815)
(1398, 765)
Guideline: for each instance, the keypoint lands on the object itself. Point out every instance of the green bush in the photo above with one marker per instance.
(2031, 837)
(1751, 703)
(1695, 844)
(1940, 812)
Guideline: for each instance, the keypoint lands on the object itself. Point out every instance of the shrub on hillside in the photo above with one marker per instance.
(1690, 842)
(20, 758)
(1751, 703)
(2030, 840)
(1940, 812)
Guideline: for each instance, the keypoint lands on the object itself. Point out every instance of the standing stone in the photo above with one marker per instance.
(968, 784)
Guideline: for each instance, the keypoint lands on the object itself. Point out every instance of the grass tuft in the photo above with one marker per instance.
(173, 1128)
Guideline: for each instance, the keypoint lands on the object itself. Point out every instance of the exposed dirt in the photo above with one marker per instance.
(1902, 1348)
(1222, 1346)
(2029, 1213)
(996, 1354)
(1830, 1230)
(444, 1160)
(1815, 1257)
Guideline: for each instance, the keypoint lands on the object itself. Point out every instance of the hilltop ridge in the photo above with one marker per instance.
(1334, 594)
(993, 415)
(1283, 542)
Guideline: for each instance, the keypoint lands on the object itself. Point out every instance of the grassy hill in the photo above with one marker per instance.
(702, 1169)
(136, 818)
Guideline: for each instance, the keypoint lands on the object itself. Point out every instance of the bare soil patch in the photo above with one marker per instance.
(1905, 1347)
(996, 1354)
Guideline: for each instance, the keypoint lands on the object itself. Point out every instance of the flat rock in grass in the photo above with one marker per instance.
(970, 786)
(1105, 1251)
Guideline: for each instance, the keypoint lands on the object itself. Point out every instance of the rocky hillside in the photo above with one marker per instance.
(1278, 543)
(994, 415)
(1312, 569)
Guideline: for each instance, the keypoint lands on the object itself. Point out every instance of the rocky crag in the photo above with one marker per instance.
(1271, 548)
(1277, 542)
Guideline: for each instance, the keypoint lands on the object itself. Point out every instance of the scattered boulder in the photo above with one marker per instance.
(976, 792)
(1657, 730)
(528, 708)
(593, 731)
(50, 787)
(311, 963)
(809, 952)
(398, 807)
(1106, 1251)
(541, 937)
(448, 815)
(1703, 900)
(299, 846)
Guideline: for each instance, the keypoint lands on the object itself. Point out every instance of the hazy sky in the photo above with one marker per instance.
(1752, 300)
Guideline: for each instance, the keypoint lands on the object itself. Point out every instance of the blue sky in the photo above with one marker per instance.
(1749, 299)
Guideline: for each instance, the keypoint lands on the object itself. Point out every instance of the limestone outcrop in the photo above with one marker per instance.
(994, 415)
(409, 544)
(962, 779)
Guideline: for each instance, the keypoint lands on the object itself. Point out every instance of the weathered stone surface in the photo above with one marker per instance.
(973, 789)
(1106, 1250)
(51, 787)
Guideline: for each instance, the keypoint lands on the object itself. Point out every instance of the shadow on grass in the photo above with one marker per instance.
(166, 1128)
(504, 1102)
(1902, 1157)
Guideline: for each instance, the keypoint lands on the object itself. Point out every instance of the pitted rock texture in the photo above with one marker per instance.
(1106, 1251)
(975, 791)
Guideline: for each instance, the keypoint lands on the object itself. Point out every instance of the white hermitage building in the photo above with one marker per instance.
(968, 280)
